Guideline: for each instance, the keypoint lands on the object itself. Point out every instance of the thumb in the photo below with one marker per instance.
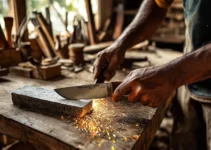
(121, 90)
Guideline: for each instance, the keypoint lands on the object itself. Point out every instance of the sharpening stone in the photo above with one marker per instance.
(48, 101)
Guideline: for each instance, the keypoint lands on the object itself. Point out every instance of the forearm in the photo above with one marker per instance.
(190, 68)
(143, 26)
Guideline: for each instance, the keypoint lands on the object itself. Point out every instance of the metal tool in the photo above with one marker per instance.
(91, 91)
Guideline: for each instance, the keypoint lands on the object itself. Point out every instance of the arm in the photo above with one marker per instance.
(153, 85)
(145, 23)
(147, 20)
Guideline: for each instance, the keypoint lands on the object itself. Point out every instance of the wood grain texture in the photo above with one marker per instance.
(9, 57)
(117, 125)
(119, 21)
(44, 25)
(120, 125)
(3, 41)
(91, 23)
(8, 21)
(17, 10)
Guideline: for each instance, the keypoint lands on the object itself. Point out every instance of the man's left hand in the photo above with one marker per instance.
(151, 86)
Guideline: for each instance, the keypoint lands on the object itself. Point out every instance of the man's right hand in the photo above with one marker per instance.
(113, 55)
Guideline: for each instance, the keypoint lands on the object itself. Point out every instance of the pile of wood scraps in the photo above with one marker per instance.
(43, 55)
(9, 56)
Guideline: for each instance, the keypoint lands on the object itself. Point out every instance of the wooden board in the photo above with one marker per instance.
(9, 57)
(91, 23)
(110, 126)
(17, 10)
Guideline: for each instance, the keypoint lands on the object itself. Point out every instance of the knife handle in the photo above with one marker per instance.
(101, 78)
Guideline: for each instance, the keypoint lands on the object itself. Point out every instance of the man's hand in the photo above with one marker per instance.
(113, 55)
(146, 22)
(149, 86)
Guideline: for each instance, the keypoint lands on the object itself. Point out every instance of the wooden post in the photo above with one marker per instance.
(119, 21)
(17, 10)
(91, 23)
(102, 14)
(43, 25)
(8, 21)
(48, 19)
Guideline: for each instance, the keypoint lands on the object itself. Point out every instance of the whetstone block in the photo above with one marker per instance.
(49, 102)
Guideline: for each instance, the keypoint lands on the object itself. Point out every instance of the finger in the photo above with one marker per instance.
(135, 94)
(98, 64)
(154, 105)
(155, 102)
(144, 100)
(111, 69)
(121, 90)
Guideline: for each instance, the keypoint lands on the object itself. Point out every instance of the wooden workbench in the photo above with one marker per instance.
(110, 125)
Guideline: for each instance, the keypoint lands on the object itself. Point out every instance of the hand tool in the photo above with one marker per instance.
(3, 41)
(91, 91)
(8, 21)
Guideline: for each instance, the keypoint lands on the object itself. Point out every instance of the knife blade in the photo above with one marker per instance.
(90, 91)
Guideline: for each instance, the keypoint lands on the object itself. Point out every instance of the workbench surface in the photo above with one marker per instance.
(120, 125)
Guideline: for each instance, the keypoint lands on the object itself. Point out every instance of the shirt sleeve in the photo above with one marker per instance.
(164, 3)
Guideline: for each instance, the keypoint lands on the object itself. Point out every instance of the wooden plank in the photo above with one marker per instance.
(91, 23)
(119, 21)
(43, 43)
(9, 57)
(43, 25)
(21, 71)
(3, 41)
(36, 50)
(48, 19)
(17, 10)
(43, 40)
(103, 15)
(8, 21)
(47, 72)
(119, 121)
(96, 47)
(109, 126)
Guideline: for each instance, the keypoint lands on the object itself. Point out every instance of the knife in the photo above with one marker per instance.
(90, 91)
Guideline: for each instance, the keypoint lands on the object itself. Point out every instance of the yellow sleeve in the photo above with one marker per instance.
(164, 3)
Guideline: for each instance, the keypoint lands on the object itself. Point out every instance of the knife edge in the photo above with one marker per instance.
(90, 91)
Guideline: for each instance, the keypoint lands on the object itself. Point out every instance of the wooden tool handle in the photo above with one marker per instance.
(101, 78)
(3, 41)
(8, 21)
